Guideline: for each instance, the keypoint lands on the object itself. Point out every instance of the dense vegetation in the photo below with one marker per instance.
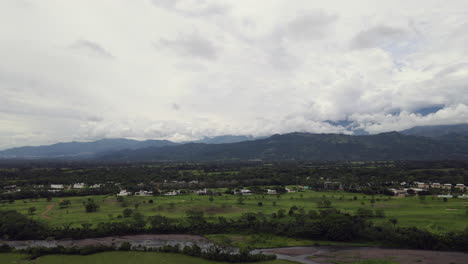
(367, 177)
(327, 224)
(342, 207)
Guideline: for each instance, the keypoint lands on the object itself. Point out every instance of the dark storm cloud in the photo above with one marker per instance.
(190, 45)
(91, 49)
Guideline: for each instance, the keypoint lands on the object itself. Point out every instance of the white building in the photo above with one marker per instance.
(270, 191)
(143, 193)
(246, 192)
(95, 186)
(172, 193)
(124, 193)
(201, 192)
(56, 186)
(78, 185)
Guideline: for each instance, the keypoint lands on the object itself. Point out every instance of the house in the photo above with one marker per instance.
(460, 186)
(95, 186)
(464, 196)
(435, 185)
(270, 191)
(78, 185)
(143, 193)
(56, 186)
(172, 193)
(201, 192)
(124, 193)
(290, 190)
(422, 185)
(245, 192)
(447, 186)
(399, 192)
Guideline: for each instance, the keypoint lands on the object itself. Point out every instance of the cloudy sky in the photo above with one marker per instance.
(184, 69)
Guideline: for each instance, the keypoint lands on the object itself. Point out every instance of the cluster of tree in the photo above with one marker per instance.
(14, 225)
(368, 177)
(214, 252)
(326, 224)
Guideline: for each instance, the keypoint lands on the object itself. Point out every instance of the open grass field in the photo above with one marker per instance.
(432, 214)
(116, 258)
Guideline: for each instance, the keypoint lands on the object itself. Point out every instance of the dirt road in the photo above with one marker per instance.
(48, 208)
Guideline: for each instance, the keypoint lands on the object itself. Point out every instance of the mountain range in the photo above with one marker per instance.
(421, 143)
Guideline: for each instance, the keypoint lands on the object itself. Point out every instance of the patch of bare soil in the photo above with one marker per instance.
(401, 256)
(48, 208)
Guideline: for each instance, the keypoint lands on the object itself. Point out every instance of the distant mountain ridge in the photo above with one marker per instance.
(438, 131)
(307, 146)
(81, 149)
(224, 139)
(428, 142)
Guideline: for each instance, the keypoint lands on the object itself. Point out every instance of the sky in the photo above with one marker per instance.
(185, 69)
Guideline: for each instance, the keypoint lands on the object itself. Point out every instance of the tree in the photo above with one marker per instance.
(260, 204)
(211, 199)
(324, 203)
(31, 210)
(380, 213)
(14, 225)
(393, 221)
(160, 223)
(127, 212)
(91, 206)
(139, 221)
(364, 213)
(240, 200)
(281, 213)
(195, 217)
(64, 203)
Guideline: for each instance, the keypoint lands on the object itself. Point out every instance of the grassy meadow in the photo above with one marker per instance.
(116, 258)
(432, 213)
